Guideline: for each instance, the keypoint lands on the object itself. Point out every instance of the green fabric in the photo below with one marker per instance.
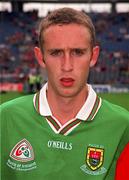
(32, 79)
(38, 78)
(57, 156)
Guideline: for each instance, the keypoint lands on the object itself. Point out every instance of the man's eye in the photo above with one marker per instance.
(55, 53)
(78, 52)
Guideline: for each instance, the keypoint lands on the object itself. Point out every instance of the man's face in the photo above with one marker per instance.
(67, 56)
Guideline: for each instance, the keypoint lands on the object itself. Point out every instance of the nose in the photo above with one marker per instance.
(67, 63)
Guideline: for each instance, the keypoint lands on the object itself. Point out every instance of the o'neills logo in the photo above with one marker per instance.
(59, 145)
(22, 151)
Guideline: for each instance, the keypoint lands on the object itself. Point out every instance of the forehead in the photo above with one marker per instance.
(66, 34)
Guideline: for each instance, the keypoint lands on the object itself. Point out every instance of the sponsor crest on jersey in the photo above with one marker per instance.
(22, 151)
(94, 158)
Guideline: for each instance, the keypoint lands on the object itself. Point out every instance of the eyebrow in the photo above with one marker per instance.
(82, 49)
(60, 49)
(54, 49)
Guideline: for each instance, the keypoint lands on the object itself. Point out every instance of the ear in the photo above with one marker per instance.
(95, 55)
(39, 56)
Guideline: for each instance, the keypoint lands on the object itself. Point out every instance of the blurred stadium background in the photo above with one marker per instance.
(19, 72)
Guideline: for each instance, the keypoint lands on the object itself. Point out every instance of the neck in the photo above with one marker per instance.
(66, 108)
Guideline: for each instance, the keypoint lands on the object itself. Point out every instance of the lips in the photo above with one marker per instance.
(67, 82)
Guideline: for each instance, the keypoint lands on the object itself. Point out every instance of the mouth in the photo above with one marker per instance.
(67, 82)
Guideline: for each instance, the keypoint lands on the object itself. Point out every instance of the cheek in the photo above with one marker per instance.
(83, 67)
(83, 72)
(52, 71)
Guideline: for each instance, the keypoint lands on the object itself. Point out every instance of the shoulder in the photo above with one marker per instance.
(114, 107)
(116, 119)
(115, 111)
(18, 103)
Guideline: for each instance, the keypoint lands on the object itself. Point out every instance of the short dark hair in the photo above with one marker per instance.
(66, 16)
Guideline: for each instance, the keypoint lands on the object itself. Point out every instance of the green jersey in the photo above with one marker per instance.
(36, 146)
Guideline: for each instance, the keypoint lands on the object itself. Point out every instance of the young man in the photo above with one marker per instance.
(65, 131)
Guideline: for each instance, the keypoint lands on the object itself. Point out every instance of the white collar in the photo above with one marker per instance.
(87, 112)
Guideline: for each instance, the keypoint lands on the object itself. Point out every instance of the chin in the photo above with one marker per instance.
(68, 93)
